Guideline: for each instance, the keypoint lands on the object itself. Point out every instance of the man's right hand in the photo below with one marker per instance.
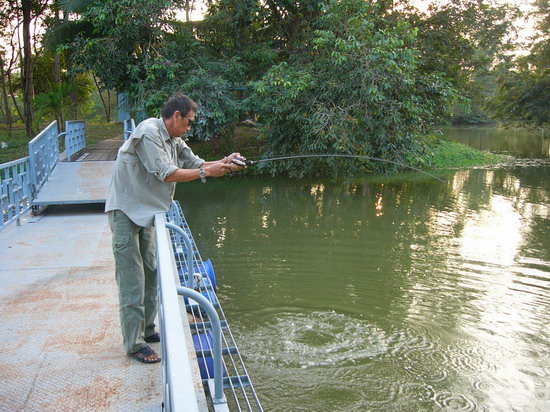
(217, 169)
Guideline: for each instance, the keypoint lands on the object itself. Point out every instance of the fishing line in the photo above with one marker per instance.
(378, 159)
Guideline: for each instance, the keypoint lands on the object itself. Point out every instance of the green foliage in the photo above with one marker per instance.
(54, 101)
(121, 36)
(151, 58)
(462, 40)
(444, 154)
(354, 89)
(183, 65)
(522, 96)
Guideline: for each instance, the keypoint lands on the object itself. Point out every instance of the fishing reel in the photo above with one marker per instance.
(241, 161)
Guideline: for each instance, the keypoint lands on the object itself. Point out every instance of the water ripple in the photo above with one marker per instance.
(455, 402)
(318, 339)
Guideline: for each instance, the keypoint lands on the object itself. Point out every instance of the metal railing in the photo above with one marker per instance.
(75, 137)
(219, 400)
(15, 190)
(43, 155)
(129, 127)
(238, 387)
(179, 387)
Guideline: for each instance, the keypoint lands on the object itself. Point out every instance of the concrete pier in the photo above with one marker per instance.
(61, 343)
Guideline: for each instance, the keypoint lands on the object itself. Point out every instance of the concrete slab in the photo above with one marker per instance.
(76, 182)
(61, 343)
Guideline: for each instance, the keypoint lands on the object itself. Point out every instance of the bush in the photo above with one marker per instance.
(355, 88)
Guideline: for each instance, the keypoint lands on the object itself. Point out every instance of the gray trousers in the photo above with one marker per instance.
(134, 249)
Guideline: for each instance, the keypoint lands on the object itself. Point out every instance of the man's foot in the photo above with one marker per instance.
(155, 337)
(145, 355)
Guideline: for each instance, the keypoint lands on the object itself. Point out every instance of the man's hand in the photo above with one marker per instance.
(218, 169)
(232, 156)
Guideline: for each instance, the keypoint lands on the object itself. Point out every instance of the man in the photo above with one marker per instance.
(148, 166)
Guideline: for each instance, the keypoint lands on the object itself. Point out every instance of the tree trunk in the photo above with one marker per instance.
(106, 104)
(5, 100)
(28, 85)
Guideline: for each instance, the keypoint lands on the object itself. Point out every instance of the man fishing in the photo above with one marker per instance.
(147, 168)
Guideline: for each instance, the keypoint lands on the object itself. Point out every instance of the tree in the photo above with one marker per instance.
(462, 40)
(137, 47)
(259, 33)
(355, 88)
(523, 90)
(27, 14)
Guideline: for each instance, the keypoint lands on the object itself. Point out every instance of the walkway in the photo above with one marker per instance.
(86, 180)
(105, 150)
(61, 344)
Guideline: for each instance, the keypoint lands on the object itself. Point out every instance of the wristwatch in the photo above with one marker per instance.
(202, 174)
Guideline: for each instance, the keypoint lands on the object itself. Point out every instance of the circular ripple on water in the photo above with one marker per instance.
(488, 386)
(407, 339)
(415, 397)
(471, 358)
(427, 366)
(419, 354)
(455, 402)
(317, 339)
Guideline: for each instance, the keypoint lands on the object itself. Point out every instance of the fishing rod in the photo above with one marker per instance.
(241, 161)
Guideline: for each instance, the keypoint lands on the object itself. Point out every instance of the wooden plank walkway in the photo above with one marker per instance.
(106, 150)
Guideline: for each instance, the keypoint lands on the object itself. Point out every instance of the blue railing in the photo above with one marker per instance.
(129, 127)
(75, 137)
(179, 384)
(195, 273)
(15, 190)
(44, 155)
(20, 180)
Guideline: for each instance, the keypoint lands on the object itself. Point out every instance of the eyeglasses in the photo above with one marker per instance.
(189, 121)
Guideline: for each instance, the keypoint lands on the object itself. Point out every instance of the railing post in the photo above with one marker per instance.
(219, 397)
(129, 127)
(190, 281)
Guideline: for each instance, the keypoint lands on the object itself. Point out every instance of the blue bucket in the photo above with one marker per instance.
(210, 272)
(204, 340)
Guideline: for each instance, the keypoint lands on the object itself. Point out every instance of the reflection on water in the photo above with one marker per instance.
(390, 294)
(523, 143)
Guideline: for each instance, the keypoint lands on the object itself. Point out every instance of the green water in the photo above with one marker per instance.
(390, 294)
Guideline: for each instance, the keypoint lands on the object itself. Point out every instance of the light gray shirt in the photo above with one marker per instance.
(150, 155)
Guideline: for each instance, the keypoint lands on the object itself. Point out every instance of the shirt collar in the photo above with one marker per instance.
(163, 130)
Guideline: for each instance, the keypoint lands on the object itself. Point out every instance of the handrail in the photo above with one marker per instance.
(15, 190)
(190, 281)
(75, 137)
(129, 127)
(179, 386)
(219, 397)
(236, 382)
(43, 155)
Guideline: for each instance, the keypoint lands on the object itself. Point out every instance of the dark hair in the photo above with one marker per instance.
(178, 102)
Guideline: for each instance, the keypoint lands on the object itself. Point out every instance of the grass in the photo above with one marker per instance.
(452, 155)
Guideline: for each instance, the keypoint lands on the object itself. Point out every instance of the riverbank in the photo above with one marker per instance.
(442, 154)
(452, 155)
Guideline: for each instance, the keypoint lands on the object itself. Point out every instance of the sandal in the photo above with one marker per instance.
(155, 337)
(144, 353)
